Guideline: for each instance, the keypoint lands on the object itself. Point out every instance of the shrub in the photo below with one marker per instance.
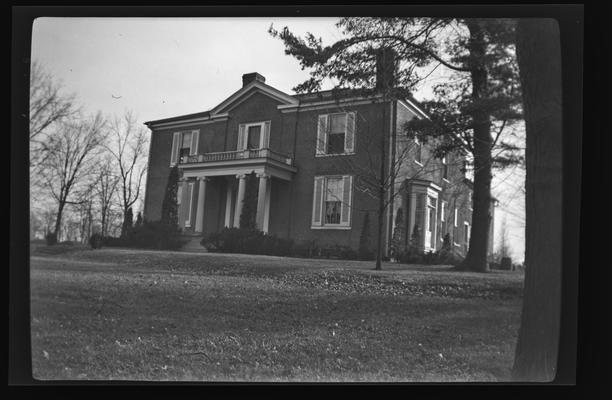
(51, 238)
(155, 235)
(96, 240)
(247, 241)
(169, 212)
(397, 240)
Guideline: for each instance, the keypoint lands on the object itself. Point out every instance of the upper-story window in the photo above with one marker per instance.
(418, 152)
(336, 134)
(332, 199)
(184, 144)
(253, 136)
(444, 168)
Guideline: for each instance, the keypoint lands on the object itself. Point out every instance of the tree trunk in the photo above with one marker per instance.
(379, 232)
(58, 222)
(539, 59)
(476, 258)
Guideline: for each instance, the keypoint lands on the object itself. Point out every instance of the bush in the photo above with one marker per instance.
(247, 241)
(149, 235)
(441, 257)
(96, 240)
(51, 238)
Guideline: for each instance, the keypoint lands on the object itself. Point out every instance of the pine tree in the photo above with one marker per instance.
(139, 219)
(169, 213)
(249, 207)
(397, 242)
(364, 239)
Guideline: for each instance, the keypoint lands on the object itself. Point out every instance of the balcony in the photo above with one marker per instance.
(248, 154)
(239, 161)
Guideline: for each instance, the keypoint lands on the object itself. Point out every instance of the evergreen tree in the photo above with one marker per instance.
(139, 219)
(249, 207)
(415, 240)
(364, 239)
(169, 213)
(397, 242)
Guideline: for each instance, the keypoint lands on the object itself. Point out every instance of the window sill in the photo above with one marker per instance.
(418, 163)
(187, 225)
(334, 155)
(445, 180)
(332, 227)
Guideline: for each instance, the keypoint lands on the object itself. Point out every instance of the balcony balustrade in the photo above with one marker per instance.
(248, 154)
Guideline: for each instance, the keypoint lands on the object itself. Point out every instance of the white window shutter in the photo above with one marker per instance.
(347, 198)
(349, 137)
(317, 201)
(175, 147)
(195, 138)
(322, 134)
(266, 135)
(241, 137)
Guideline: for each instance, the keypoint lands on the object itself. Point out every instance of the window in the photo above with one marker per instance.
(254, 137)
(336, 134)
(332, 199)
(418, 155)
(184, 144)
(337, 131)
(444, 168)
(443, 211)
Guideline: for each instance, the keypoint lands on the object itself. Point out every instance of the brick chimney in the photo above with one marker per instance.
(386, 68)
(253, 76)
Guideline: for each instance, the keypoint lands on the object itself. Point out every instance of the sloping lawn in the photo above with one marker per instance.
(123, 314)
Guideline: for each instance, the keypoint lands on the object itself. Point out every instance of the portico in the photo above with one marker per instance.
(234, 167)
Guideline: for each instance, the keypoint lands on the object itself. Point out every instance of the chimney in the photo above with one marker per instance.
(386, 68)
(253, 76)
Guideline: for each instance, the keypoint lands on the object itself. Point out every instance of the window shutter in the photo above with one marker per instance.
(349, 137)
(241, 138)
(266, 135)
(347, 198)
(179, 193)
(322, 134)
(195, 136)
(317, 200)
(175, 147)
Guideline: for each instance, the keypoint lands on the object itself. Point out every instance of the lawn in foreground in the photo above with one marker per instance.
(118, 314)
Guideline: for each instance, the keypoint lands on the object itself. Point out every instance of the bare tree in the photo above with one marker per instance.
(47, 106)
(106, 186)
(72, 152)
(128, 147)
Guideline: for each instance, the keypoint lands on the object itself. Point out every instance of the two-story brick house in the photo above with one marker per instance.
(297, 145)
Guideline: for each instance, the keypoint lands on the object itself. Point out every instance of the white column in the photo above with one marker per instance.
(239, 199)
(261, 201)
(413, 198)
(201, 201)
(266, 221)
(228, 204)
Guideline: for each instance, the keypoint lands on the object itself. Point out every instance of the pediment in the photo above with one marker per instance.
(249, 90)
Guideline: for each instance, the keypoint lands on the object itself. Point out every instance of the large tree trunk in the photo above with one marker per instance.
(58, 222)
(476, 258)
(539, 59)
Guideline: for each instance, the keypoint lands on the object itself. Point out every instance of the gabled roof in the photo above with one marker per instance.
(286, 100)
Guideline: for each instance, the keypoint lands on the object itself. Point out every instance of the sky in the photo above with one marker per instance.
(164, 67)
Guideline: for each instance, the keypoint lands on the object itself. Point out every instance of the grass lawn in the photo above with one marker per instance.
(122, 314)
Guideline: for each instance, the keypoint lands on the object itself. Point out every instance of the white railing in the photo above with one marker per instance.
(237, 155)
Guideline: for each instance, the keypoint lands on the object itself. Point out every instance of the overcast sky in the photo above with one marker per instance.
(164, 67)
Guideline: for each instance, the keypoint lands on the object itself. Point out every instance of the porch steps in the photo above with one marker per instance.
(193, 245)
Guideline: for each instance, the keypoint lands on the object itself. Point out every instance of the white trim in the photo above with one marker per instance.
(188, 122)
(262, 135)
(323, 105)
(413, 108)
(348, 224)
(340, 227)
